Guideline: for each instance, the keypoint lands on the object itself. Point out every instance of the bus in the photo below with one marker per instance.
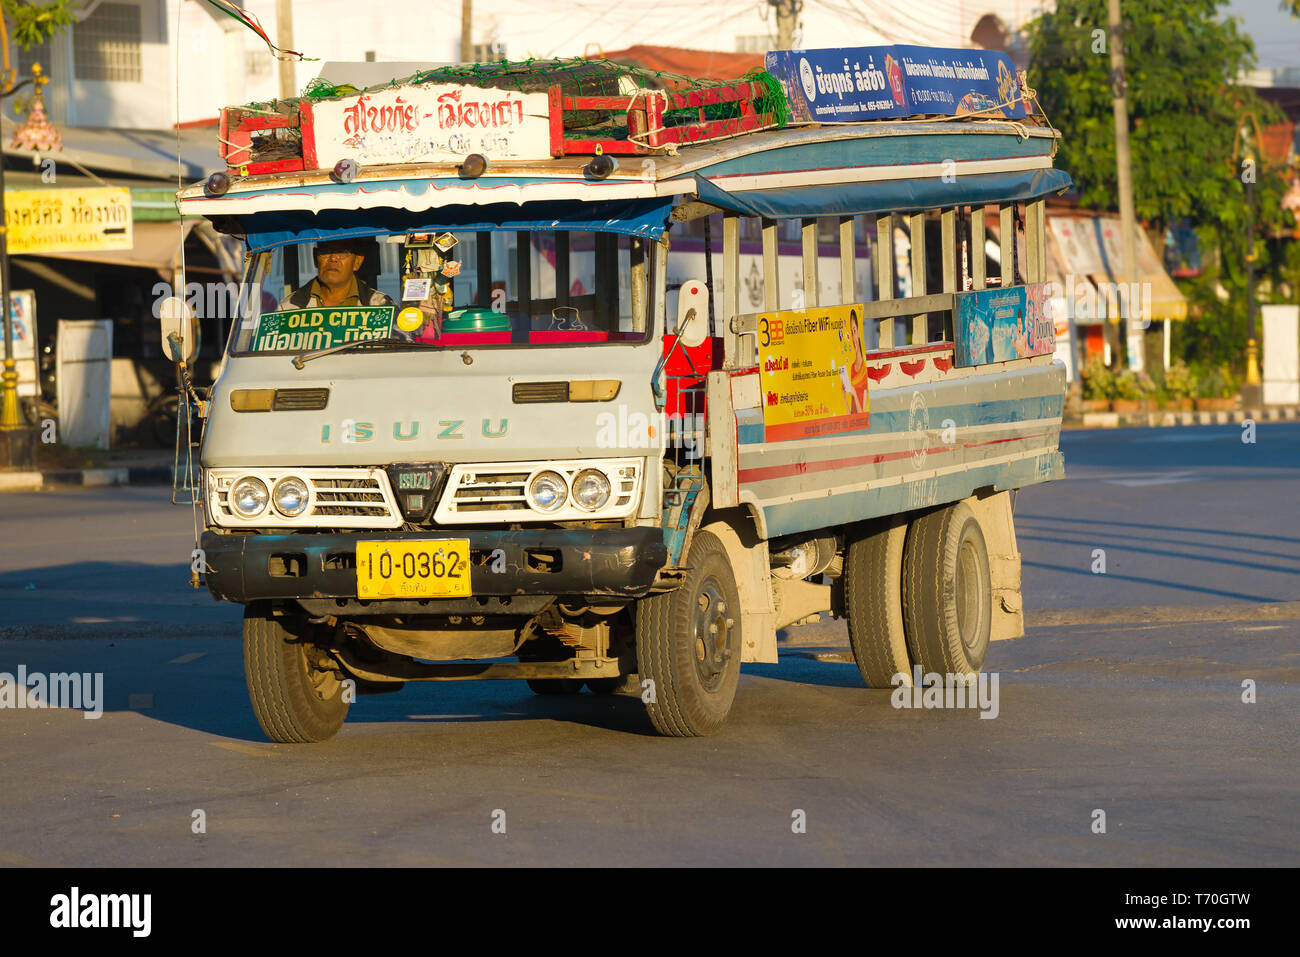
(490, 410)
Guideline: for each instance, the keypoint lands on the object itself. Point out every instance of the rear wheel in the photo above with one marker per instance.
(688, 645)
(873, 600)
(296, 698)
(947, 592)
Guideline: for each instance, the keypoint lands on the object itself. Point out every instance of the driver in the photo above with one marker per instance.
(336, 282)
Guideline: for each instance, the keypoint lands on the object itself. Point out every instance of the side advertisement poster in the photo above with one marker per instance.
(996, 325)
(814, 372)
(851, 84)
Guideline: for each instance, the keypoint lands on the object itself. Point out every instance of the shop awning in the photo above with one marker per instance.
(157, 246)
(1087, 250)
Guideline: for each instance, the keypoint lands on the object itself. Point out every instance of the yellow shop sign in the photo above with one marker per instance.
(68, 220)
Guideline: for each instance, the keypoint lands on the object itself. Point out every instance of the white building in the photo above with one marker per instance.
(151, 63)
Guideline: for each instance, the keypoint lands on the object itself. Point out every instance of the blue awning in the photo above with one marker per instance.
(855, 199)
(632, 217)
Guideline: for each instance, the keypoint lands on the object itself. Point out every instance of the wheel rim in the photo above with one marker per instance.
(969, 588)
(324, 682)
(711, 634)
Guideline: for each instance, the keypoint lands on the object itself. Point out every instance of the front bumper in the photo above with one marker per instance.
(621, 562)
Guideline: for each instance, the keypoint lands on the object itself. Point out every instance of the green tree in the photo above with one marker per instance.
(1186, 113)
(29, 24)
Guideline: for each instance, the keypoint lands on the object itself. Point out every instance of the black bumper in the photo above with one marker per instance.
(620, 562)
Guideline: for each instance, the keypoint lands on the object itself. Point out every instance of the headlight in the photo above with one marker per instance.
(591, 489)
(548, 491)
(290, 497)
(248, 496)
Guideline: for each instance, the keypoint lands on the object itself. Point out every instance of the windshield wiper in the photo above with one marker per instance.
(304, 357)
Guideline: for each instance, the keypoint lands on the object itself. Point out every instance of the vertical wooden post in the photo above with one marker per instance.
(978, 258)
(885, 273)
(921, 323)
(948, 232)
(636, 261)
(808, 234)
(771, 276)
(848, 259)
(731, 288)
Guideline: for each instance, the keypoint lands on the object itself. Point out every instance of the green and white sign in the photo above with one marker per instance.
(321, 328)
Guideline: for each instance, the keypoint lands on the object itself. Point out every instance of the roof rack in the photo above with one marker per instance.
(587, 107)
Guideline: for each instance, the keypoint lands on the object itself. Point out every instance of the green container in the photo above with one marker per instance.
(476, 319)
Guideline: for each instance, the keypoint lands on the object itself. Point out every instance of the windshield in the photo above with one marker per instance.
(448, 289)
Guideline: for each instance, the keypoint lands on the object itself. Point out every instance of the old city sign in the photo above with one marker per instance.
(68, 220)
(406, 124)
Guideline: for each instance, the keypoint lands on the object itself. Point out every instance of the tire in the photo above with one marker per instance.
(947, 592)
(555, 685)
(688, 644)
(873, 601)
(295, 703)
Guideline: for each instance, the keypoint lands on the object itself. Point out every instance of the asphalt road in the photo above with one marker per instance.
(1096, 710)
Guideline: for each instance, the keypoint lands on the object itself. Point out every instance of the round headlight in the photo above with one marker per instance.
(591, 489)
(248, 496)
(290, 496)
(548, 491)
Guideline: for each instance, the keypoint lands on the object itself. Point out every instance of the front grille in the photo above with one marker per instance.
(491, 492)
(523, 392)
(348, 497)
(300, 400)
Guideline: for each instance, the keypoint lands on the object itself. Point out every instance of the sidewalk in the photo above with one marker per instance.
(118, 467)
(1111, 420)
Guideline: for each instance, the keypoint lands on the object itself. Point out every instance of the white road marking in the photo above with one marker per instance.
(186, 659)
(1153, 478)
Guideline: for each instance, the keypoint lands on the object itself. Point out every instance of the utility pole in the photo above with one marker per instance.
(466, 31)
(1252, 392)
(1124, 175)
(284, 29)
(787, 12)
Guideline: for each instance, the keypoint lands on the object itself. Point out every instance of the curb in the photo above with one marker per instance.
(85, 478)
(1113, 420)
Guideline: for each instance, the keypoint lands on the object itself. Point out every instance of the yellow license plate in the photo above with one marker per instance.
(413, 569)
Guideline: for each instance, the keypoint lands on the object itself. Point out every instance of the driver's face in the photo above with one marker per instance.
(337, 266)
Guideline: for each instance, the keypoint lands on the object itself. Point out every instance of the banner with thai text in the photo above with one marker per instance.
(68, 220)
(432, 123)
(321, 328)
(850, 84)
(813, 371)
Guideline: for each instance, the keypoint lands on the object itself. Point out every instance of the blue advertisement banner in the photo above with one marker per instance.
(851, 84)
(996, 325)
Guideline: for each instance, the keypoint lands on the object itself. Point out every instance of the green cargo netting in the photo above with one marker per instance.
(583, 77)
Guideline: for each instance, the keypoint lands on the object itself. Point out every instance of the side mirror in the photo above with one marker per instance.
(692, 313)
(180, 332)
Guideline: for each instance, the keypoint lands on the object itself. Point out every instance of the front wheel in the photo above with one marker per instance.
(297, 699)
(688, 645)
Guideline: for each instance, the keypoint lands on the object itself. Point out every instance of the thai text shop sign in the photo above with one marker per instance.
(68, 220)
(407, 124)
(870, 83)
(996, 325)
(813, 372)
